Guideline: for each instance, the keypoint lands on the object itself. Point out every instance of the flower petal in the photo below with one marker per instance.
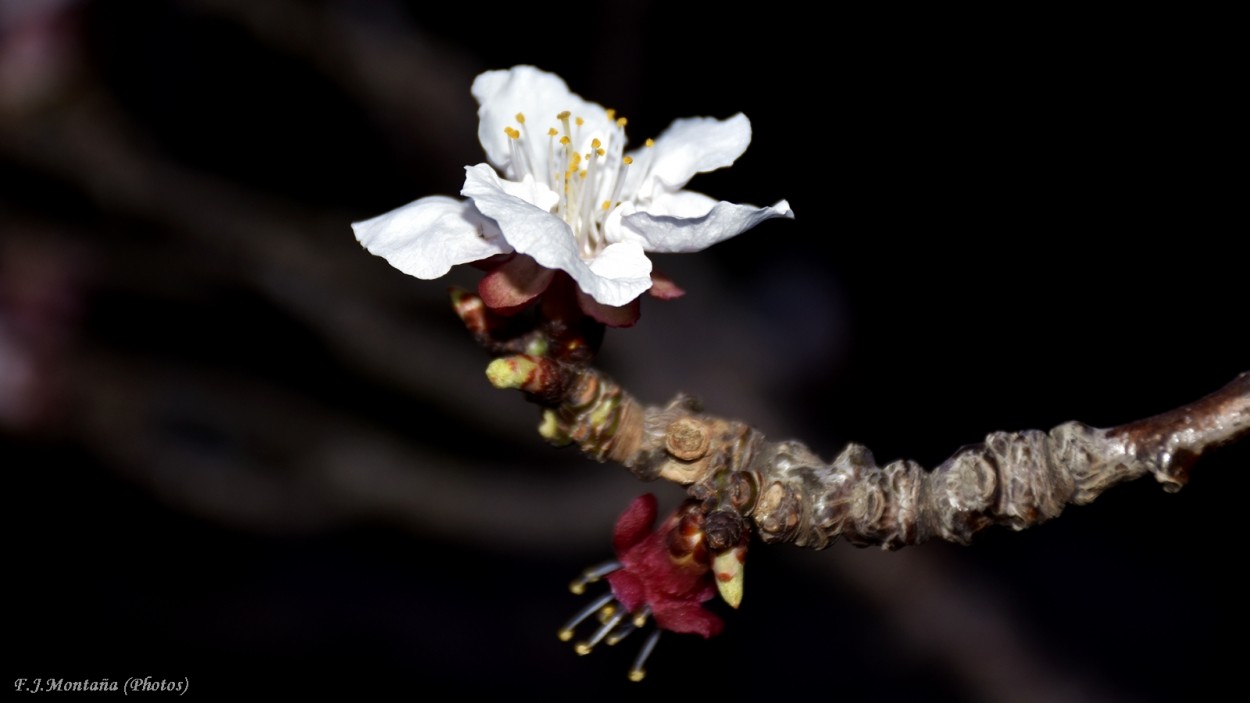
(635, 523)
(620, 273)
(680, 233)
(425, 238)
(513, 285)
(664, 288)
(682, 203)
(611, 315)
(540, 195)
(538, 95)
(686, 616)
(617, 276)
(629, 589)
(689, 146)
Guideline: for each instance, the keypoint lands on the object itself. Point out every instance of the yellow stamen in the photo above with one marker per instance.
(520, 117)
(637, 672)
(563, 115)
(607, 205)
(600, 152)
(627, 160)
(512, 133)
(611, 114)
(552, 132)
(595, 143)
(621, 122)
(565, 635)
(650, 142)
(565, 141)
(579, 121)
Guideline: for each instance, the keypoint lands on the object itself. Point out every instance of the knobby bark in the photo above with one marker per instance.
(788, 494)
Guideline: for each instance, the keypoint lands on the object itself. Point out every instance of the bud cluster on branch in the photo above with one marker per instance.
(788, 494)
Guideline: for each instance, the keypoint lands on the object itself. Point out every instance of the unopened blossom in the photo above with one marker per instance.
(662, 574)
(561, 192)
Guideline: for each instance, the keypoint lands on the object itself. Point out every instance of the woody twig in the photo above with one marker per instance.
(785, 493)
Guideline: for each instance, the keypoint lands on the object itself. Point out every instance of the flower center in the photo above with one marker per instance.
(586, 167)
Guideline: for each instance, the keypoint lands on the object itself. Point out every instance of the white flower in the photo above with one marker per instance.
(569, 195)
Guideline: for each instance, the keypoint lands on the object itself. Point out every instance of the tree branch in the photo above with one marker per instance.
(1016, 479)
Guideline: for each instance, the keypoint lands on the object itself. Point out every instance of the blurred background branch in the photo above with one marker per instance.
(246, 451)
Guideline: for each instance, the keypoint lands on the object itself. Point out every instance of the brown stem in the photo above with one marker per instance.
(1017, 479)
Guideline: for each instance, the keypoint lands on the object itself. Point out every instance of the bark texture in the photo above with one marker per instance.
(1015, 479)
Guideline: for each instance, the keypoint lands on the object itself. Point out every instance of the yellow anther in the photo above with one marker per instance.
(595, 144)
(621, 122)
(512, 133)
(583, 173)
(650, 142)
(565, 635)
(563, 115)
(520, 117)
(600, 152)
(611, 114)
(580, 121)
(627, 160)
(577, 159)
(565, 141)
(552, 132)
(607, 205)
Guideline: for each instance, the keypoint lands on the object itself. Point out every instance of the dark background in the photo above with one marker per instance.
(245, 452)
